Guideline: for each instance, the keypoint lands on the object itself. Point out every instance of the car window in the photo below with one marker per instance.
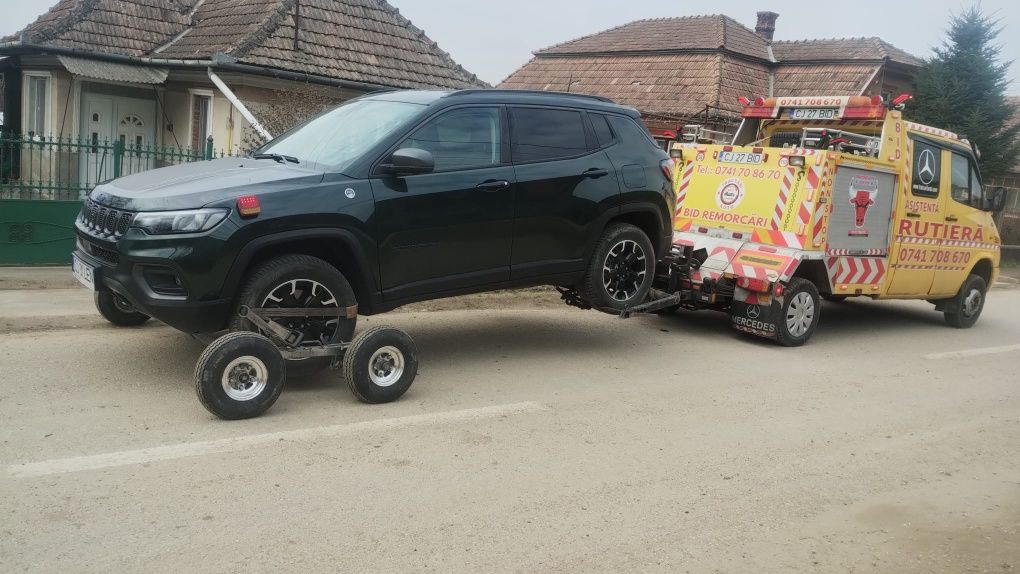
(960, 185)
(628, 131)
(543, 134)
(602, 130)
(977, 194)
(927, 170)
(464, 138)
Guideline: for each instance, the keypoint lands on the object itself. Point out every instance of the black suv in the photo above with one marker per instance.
(385, 200)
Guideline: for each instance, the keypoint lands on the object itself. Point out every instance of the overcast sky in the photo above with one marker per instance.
(492, 38)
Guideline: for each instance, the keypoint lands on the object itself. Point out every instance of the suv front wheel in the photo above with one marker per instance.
(621, 270)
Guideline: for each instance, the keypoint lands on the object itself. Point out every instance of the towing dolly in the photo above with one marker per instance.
(673, 287)
(241, 374)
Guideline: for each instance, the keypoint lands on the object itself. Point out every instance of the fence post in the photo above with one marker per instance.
(118, 157)
(208, 148)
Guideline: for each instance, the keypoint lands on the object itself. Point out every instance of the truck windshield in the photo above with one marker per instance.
(339, 136)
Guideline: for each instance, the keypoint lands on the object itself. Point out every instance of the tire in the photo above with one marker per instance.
(380, 365)
(240, 375)
(116, 309)
(271, 278)
(621, 269)
(969, 302)
(800, 313)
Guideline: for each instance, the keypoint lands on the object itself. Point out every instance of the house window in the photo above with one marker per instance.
(201, 119)
(37, 89)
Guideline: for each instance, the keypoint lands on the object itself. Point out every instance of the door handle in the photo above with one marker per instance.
(493, 185)
(951, 218)
(596, 172)
(912, 214)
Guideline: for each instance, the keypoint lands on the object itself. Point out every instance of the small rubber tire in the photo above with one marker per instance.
(397, 370)
(835, 298)
(965, 311)
(594, 289)
(117, 310)
(800, 294)
(239, 350)
(272, 273)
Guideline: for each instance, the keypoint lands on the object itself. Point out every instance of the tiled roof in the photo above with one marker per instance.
(647, 82)
(357, 40)
(814, 79)
(669, 35)
(842, 49)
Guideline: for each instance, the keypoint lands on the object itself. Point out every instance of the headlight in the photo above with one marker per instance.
(190, 221)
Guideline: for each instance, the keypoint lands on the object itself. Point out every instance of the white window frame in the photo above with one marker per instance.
(48, 120)
(192, 92)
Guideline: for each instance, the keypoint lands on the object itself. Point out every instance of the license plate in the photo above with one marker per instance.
(813, 114)
(740, 157)
(83, 272)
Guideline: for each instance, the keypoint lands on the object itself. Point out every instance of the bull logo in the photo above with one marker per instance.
(861, 202)
(863, 189)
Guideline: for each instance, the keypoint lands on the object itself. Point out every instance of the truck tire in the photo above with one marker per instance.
(240, 375)
(380, 365)
(300, 281)
(800, 312)
(966, 307)
(621, 269)
(116, 309)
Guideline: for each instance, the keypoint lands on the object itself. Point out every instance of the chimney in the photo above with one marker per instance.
(766, 25)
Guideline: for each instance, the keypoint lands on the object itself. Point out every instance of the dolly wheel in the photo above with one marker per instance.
(240, 375)
(380, 365)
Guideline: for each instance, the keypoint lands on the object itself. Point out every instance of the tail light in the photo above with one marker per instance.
(667, 166)
(757, 285)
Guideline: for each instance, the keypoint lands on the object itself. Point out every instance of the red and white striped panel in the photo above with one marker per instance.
(856, 270)
(784, 194)
(748, 271)
(685, 181)
(933, 131)
(780, 238)
(857, 252)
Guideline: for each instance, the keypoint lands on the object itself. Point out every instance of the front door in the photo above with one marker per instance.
(449, 229)
(920, 215)
(107, 119)
(966, 226)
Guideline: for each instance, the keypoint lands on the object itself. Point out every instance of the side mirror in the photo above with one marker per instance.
(997, 201)
(409, 161)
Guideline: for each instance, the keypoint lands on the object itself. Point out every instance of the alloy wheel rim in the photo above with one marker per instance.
(800, 314)
(623, 271)
(306, 293)
(245, 378)
(386, 366)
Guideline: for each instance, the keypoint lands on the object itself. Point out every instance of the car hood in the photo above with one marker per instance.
(194, 185)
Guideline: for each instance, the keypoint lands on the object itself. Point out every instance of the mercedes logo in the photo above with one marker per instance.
(926, 167)
(753, 311)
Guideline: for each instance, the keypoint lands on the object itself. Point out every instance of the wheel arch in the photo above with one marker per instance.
(814, 270)
(646, 218)
(983, 269)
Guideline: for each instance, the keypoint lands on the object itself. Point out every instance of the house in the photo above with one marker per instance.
(690, 71)
(159, 75)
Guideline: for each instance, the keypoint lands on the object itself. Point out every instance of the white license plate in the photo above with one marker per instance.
(740, 157)
(83, 272)
(813, 114)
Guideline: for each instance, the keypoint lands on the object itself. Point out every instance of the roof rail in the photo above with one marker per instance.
(535, 92)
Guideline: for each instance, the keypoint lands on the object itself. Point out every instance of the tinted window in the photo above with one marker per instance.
(631, 132)
(602, 130)
(541, 134)
(466, 138)
(927, 167)
(961, 179)
(977, 194)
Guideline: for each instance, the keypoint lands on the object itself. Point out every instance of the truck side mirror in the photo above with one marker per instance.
(409, 161)
(997, 201)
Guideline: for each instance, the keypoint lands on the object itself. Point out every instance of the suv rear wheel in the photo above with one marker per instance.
(621, 269)
(300, 281)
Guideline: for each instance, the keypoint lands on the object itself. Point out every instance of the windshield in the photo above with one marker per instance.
(338, 137)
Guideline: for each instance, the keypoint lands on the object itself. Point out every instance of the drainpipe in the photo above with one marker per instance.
(227, 93)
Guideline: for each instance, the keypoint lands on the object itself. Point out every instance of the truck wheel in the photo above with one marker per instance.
(300, 281)
(240, 375)
(116, 309)
(799, 318)
(621, 269)
(380, 365)
(968, 303)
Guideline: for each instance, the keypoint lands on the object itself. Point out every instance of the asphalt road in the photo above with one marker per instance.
(550, 440)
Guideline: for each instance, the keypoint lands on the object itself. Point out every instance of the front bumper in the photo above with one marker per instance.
(121, 266)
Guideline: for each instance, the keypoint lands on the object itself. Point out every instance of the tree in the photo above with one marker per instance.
(962, 88)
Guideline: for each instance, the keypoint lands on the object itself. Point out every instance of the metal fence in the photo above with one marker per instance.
(55, 168)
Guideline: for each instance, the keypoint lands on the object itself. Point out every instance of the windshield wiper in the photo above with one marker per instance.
(276, 157)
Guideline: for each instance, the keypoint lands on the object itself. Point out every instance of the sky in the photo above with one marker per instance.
(492, 38)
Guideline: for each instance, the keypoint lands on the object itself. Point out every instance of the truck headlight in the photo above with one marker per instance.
(189, 221)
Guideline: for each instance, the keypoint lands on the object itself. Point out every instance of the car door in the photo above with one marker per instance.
(965, 226)
(451, 228)
(564, 184)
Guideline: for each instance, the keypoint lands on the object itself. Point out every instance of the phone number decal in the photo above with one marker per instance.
(747, 172)
(913, 255)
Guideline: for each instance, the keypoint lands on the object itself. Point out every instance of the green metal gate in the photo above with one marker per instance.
(43, 180)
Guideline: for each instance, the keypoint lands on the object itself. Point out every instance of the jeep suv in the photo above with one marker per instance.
(385, 200)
